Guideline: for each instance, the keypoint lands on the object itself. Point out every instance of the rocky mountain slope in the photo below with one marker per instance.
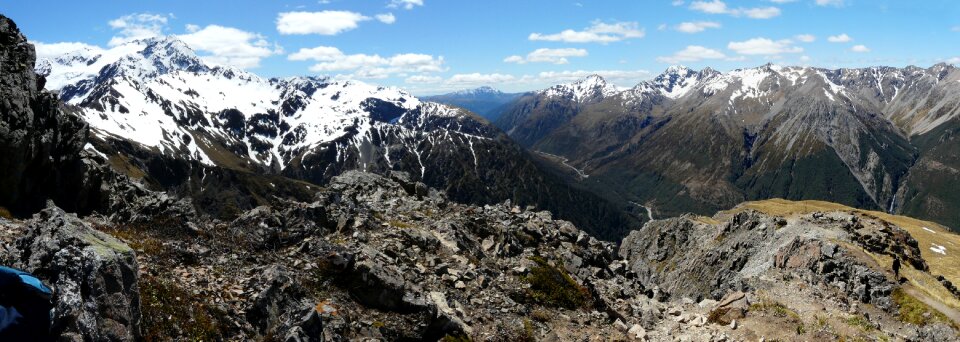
(704, 140)
(374, 257)
(165, 116)
(485, 101)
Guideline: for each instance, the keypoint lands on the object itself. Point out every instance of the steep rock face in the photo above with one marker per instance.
(40, 143)
(703, 141)
(94, 277)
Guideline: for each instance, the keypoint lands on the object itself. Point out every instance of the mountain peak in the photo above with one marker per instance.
(484, 90)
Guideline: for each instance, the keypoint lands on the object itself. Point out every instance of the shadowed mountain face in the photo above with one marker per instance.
(163, 115)
(705, 140)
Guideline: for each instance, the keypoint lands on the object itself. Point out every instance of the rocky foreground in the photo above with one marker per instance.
(385, 258)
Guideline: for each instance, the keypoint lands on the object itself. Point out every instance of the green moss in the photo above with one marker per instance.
(913, 311)
(553, 287)
(774, 308)
(170, 312)
(859, 322)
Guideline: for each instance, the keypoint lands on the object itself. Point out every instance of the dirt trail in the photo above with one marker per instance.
(933, 303)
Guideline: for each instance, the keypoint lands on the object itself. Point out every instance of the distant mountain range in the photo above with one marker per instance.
(688, 140)
(485, 101)
(164, 115)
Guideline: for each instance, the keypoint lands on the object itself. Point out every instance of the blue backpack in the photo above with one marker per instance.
(24, 306)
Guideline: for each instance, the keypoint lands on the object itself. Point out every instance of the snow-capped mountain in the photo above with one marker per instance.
(589, 88)
(708, 140)
(154, 99)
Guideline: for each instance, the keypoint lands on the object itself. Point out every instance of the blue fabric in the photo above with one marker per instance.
(8, 316)
(28, 279)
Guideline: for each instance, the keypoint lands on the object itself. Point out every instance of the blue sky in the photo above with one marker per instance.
(431, 46)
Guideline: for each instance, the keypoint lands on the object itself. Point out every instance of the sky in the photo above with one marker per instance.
(436, 46)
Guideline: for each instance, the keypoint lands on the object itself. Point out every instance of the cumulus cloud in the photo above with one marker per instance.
(555, 56)
(598, 32)
(367, 66)
(405, 4)
(698, 26)
(860, 48)
(720, 7)
(692, 53)
(229, 46)
(616, 76)
(955, 29)
(386, 18)
(324, 22)
(137, 26)
(806, 38)
(54, 50)
(479, 79)
(835, 3)
(841, 38)
(423, 79)
(764, 46)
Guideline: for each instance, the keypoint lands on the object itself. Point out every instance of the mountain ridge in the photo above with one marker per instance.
(756, 129)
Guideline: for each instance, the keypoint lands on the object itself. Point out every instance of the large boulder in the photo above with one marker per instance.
(93, 275)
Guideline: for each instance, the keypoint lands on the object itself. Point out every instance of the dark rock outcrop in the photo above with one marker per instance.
(39, 141)
(94, 277)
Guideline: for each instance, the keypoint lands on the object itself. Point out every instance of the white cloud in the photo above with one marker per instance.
(320, 53)
(842, 38)
(835, 3)
(405, 4)
(698, 26)
(764, 46)
(677, 3)
(782, 1)
(324, 22)
(599, 32)
(137, 26)
(692, 53)
(616, 76)
(555, 56)
(955, 29)
(367, 66)
(479, 79)
(53, 50)
(761, 12)
(720, 7)
(386, 18)
(806, 38)
(712, 7)
(229, 46)
(860, 48)
(954, 60)
(423, 79)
